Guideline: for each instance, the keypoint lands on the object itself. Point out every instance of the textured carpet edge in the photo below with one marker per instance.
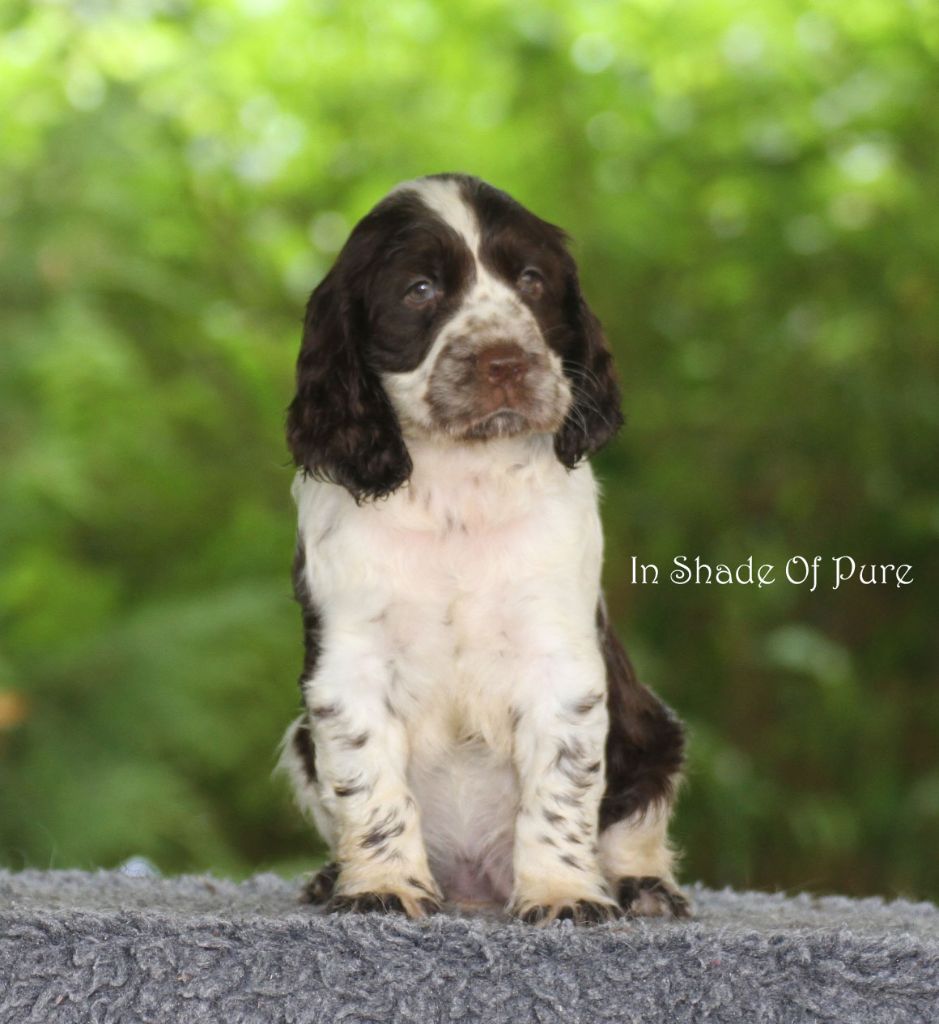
(442, 926)
(259, 956)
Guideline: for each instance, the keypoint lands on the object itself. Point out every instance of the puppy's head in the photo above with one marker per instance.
(451, 312)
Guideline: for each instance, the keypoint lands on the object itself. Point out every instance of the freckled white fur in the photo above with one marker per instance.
(468, 593)
(488, 303)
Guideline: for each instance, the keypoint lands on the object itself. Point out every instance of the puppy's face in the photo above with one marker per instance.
(461, 313)
(452, 311)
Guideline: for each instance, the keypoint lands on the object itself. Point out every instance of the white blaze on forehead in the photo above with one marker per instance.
(443, 196)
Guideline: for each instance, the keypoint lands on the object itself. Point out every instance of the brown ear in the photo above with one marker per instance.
(340, 424)
(594, 416)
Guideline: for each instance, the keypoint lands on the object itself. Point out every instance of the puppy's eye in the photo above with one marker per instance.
(421, 292)
(530, 283)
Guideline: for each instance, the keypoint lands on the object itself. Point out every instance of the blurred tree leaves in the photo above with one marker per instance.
(753, 197)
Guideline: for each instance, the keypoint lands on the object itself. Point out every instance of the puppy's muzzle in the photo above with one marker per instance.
(501, 372)
(499, 386)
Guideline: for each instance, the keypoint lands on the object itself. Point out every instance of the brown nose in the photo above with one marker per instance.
(500, 364)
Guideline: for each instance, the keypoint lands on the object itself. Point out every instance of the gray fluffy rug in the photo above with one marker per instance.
(110, 948)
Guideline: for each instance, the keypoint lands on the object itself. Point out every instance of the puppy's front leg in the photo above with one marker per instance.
(361, 759)
(559, 739)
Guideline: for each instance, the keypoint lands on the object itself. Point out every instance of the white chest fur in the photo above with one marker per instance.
(446, 605)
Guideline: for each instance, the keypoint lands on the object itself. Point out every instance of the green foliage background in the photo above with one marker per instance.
(754, 197)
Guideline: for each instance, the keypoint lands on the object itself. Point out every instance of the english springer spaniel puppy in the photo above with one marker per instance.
(471, 729)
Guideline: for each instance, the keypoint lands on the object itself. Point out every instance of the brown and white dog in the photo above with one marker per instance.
(471, 727)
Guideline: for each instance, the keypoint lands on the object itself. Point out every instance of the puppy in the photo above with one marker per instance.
(471, 729)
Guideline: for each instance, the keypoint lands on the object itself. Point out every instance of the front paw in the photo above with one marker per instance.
(650, 896)
(388, 902)
(581, 912)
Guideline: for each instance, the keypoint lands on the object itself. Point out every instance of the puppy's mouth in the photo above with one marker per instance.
(503, 422)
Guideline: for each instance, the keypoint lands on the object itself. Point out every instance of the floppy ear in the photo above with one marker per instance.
(340, 425)
(594, 416)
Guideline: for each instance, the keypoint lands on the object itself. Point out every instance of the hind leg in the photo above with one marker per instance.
(638, 862)
(644, 756)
